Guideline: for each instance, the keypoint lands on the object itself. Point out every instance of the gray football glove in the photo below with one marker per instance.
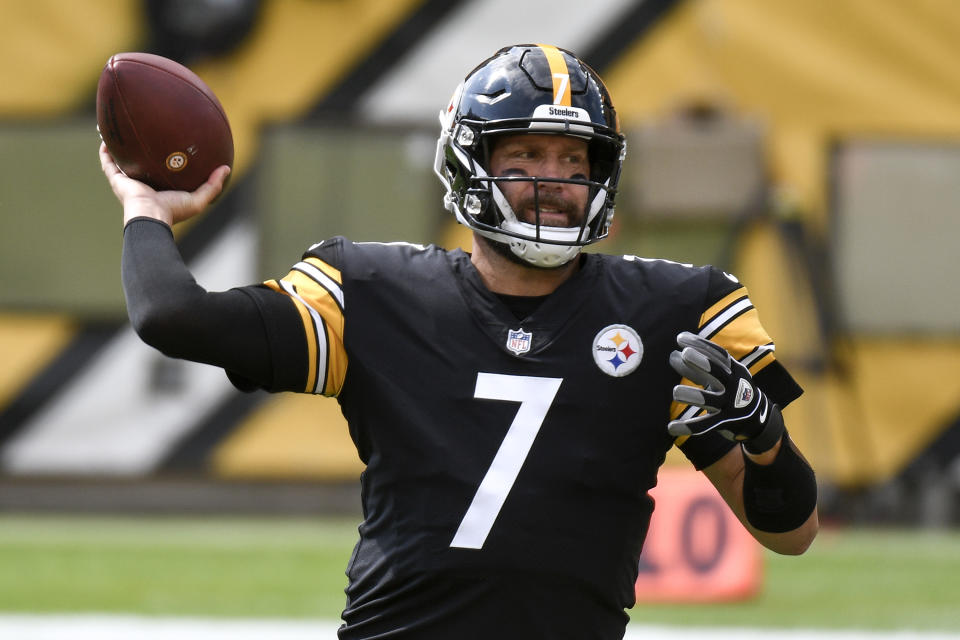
(734, 406)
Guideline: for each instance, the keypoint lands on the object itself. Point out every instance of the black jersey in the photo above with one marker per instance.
(502, 451)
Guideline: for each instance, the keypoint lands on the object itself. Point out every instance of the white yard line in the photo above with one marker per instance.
(109, 627)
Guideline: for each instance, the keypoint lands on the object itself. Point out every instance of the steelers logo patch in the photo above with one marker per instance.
(176, 161)
(617, 350)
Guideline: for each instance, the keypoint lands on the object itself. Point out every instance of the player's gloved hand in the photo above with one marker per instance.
(733, 405)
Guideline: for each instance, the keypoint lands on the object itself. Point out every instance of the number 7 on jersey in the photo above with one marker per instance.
(535, 396)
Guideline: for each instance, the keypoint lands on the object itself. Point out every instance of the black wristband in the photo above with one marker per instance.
(772, 431)
(780, 496)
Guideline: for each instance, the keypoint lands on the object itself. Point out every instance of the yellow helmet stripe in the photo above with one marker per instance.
(560, 73)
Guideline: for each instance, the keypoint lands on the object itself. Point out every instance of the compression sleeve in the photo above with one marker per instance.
(174, 314)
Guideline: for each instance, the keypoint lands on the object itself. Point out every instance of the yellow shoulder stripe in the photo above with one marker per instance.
(721, 304)
(309, 333)
(321, 313)
(742, 335)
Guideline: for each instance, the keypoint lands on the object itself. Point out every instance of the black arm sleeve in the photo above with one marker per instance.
(172, 313)
(780, 496)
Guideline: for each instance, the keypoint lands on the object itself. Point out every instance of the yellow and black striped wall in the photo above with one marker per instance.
(771, 138)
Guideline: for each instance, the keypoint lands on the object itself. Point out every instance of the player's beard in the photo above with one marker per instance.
(532, 202)
(505, 251)
(547, 200)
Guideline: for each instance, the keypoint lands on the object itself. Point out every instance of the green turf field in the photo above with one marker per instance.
(848, 579)
(236, 567)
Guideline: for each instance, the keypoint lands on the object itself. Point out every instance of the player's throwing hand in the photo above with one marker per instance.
(169, 207)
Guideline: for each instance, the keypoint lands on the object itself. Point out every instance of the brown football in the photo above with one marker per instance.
(161, 123)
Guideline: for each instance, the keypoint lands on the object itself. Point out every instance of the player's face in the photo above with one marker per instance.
(543, 156)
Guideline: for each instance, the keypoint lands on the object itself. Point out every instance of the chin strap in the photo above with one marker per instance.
(545, 256)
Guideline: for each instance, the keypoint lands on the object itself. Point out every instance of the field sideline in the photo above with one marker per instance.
(277, 577)
(93, 627)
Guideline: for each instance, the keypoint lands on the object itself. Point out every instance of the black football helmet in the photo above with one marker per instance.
(539, 89)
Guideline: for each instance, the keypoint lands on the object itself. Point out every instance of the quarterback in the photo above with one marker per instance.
(513, 404)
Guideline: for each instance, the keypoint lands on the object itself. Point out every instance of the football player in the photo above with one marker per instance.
(512, 404)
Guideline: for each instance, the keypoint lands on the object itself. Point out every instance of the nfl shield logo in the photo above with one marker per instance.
(744, 394)
(518, 340)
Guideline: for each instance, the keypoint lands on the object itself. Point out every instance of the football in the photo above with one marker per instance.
(161, 123)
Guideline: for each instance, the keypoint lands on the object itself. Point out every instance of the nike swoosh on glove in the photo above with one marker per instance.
(733, 405)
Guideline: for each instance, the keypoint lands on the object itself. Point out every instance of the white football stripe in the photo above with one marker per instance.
(714, 325)
(760, 351)
(323, 280)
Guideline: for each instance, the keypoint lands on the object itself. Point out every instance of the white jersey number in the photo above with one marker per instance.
(535, 396)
